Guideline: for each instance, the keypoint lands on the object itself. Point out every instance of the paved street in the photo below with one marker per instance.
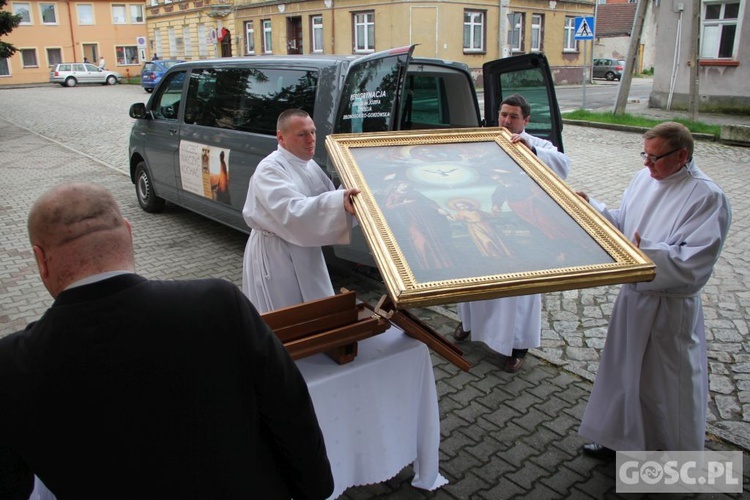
(502, 435)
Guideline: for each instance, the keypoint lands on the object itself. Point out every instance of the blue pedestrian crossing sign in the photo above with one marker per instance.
(584, 27)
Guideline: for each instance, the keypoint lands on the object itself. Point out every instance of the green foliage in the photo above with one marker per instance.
(638, 121)
(8, 21)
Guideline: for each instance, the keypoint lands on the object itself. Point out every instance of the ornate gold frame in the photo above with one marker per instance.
(489, 253)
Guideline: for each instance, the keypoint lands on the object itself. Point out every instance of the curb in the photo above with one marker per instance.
(630, 128)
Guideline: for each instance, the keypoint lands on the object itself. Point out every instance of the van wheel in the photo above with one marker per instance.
(111, 80)
(609, 76)
(149, 90)
(70, 82)
(144, 190)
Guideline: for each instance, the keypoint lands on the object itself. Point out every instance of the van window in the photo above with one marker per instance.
(425, 102)
(531, 85)
(437, 98)
(166, 103)
(369, 97)
(247, 99)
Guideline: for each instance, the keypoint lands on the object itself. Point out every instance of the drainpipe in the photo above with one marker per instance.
(333, 28)
(72, 35)
(676, 60)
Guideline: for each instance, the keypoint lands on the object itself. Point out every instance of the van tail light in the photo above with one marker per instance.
(619, 68)
(57, 73)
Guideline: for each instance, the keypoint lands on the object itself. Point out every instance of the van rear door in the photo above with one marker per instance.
(530, 76)
(373, 86)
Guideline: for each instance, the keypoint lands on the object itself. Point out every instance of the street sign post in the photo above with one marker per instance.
(584, 30)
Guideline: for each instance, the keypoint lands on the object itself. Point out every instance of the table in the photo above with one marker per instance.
(378, 413)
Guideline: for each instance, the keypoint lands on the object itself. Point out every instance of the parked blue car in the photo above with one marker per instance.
(153, 71)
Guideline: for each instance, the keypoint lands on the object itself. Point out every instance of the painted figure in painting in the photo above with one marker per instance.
(482, 231)
(424, 222)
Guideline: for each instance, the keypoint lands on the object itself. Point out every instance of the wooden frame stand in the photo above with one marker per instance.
(333, 325)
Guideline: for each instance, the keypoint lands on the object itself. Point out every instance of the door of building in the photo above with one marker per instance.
(294, 35)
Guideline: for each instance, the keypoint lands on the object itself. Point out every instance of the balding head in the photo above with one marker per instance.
(77, 230)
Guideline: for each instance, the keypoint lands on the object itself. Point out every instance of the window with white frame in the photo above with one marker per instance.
(719, 39)
(473, 31)
(28, 58)
(126, 55)
(49, 13)
(316, 25)
(157, 41)
(136, 13)
(515, 31)
(364, 32)
(119, 14)
(569, 42)
(202, 43)
(267, 36)
(172, 42)
(187, 41)
(4, 67)
(249, 38)
(537, 32)
(54, 56)
(85, 13)
(23, 9)
(154, 3)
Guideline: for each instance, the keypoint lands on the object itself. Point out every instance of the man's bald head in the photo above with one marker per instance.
(77, 230)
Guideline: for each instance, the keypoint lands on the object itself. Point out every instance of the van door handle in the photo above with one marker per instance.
(173, 131)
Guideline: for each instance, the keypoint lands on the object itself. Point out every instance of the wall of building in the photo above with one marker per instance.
(436, 26)
(72, 38)
(722, 83)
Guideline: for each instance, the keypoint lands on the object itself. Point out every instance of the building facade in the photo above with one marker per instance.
(614, 26)
(723, 66)
(52, 32)
(472, 32)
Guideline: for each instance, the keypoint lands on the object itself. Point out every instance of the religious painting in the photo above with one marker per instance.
(464, 214)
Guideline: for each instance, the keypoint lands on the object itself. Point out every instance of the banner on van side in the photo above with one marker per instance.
(205, 171)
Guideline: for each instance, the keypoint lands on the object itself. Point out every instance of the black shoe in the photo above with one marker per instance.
(512, 365)
(459, 333)
(596, 450)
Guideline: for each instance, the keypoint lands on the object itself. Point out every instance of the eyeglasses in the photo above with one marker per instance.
(654, 159)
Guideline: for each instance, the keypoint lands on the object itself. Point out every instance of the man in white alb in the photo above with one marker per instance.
(651, 388)
(293, 210)
(512, 325)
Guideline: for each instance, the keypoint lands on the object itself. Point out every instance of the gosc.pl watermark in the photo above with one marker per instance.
(679, 472)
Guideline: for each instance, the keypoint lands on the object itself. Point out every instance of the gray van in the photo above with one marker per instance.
(213, 119)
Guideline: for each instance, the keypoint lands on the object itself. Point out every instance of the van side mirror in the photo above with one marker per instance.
(138, 111)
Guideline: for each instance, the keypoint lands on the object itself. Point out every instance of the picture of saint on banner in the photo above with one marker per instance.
(205, 171)
(451, 211)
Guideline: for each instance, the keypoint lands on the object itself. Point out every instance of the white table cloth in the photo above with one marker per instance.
(378, 413)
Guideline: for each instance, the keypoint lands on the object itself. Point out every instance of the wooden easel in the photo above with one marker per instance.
(333, 325)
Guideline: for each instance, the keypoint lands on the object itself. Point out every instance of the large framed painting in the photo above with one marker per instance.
(464, 214)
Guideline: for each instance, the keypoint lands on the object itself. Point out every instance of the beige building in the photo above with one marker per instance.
(52, 32)
(472, 32)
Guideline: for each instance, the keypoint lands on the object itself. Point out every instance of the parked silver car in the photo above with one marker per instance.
(608, 68)
(71, 74)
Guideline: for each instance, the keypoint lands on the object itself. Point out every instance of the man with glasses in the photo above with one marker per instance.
(651, 388)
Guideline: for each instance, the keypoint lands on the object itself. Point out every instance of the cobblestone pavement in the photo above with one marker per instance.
(502, 435)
